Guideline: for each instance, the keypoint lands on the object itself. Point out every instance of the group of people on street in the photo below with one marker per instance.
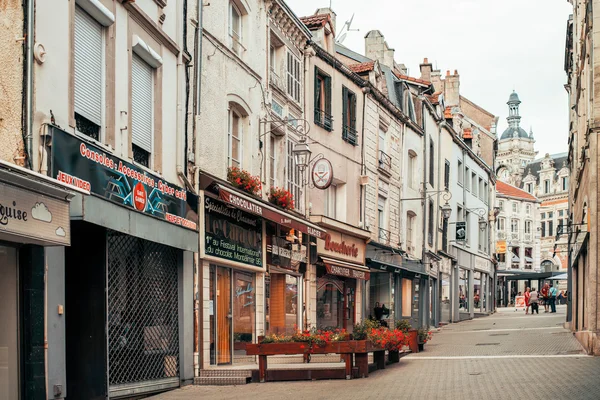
(547, 295)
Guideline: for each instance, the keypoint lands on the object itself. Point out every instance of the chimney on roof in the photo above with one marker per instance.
(452, 89)
(377, 49)
(426, 68)
(331, 13)
(436, 79)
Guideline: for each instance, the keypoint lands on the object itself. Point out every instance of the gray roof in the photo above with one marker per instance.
(343, 50)
(510, 131)
(535, 166)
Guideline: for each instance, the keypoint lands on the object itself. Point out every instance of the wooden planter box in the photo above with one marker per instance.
(413, 340)
(359, 348)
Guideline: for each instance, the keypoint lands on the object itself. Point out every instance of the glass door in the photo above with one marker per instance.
(9, 350)
(224, 316)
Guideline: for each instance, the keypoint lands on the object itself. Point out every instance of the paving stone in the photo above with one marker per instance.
(518, 364)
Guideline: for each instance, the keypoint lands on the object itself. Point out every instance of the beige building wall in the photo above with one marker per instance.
(11, 82)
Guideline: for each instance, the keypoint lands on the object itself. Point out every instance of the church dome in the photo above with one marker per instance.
(509, 133)
(514, 98)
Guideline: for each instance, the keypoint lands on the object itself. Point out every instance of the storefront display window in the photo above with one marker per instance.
(381, 292)
(463, 290)
(477, 293)
(244, 311)
(445, 299)
(330, 300)
(406, 297)
(283, 293)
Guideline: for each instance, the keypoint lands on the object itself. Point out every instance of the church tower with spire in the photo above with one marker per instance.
(515, 147)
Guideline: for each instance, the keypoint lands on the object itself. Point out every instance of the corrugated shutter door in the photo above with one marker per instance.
(89, 50)
(142, 105)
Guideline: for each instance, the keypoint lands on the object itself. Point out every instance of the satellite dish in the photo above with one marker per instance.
(341, 39)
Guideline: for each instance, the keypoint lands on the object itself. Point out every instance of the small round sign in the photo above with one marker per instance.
(139, 197)
(322, 174)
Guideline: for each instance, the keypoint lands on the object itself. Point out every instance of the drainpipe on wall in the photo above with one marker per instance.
(424, 204)
(27, 123)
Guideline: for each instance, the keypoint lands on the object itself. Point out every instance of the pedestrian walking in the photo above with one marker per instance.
(561, 297)
(534, 299)
(552, 298)
(527, 296)
(545, 296)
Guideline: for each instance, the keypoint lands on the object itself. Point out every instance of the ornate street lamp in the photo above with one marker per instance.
(446, 211)
(302, 155)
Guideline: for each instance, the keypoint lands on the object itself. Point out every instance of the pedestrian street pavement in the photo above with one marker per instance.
(507, 355)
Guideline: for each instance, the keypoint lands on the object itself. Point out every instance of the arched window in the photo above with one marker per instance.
(237, 122)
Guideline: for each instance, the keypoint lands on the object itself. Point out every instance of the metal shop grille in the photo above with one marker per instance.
(143, 330)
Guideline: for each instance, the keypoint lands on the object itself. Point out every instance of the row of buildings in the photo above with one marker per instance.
(178, 180)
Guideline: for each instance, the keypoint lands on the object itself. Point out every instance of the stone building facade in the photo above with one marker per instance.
(581, 65)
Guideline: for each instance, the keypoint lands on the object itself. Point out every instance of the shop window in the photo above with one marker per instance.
(330, 300)
(282, 304)
(407, 296)
(463, 290)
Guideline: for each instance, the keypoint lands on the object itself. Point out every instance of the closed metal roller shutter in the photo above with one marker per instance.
(143, 310)
(89, 66)
(142, 103)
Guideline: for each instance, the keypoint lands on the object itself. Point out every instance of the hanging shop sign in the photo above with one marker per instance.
(322, 174)
(31, 215)
(232, 234)
(285, 254)
(461, 231)
(85, 166)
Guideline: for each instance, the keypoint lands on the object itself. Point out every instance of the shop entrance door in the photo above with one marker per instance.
(9, 351)
(224, 315)
(349, 309)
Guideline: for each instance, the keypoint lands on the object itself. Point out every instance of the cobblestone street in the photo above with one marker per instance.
(501, 356)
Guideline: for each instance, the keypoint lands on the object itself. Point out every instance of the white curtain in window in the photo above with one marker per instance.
(89, 63)
(142, 103)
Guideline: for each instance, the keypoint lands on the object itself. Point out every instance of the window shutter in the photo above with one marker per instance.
(142, 103)
(89, 50)
(317, 89)
(353, 111)
(344, 106)
(328, 95)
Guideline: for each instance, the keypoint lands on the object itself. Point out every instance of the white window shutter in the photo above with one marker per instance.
(142, 103)
(89, 66)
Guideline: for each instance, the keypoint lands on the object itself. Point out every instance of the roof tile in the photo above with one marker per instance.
(362, 67)
(505, 189)
(411, 79)
(467, 133)
(316, 21)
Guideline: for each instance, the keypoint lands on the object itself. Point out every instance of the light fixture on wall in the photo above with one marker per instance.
(483, 223)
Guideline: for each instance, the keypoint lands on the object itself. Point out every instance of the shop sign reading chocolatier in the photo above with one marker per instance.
(232, 234)
(88, 167)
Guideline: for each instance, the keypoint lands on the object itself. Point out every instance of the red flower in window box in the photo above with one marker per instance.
(281, 198)
(242, 180)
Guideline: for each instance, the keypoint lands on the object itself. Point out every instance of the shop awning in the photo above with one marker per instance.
(345, 269)
(560, 277)
(515, 258)
(384, 266)
(266, 211)
(528, 259)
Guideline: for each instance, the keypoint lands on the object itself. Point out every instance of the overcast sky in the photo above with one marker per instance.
(496, 46)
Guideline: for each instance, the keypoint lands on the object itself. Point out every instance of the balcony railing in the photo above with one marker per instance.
(514, 236)
(385, 163)
(502, 265)
(323, 119)
(528, 237)
(384, 236)
(350, 135)
(277, 81)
